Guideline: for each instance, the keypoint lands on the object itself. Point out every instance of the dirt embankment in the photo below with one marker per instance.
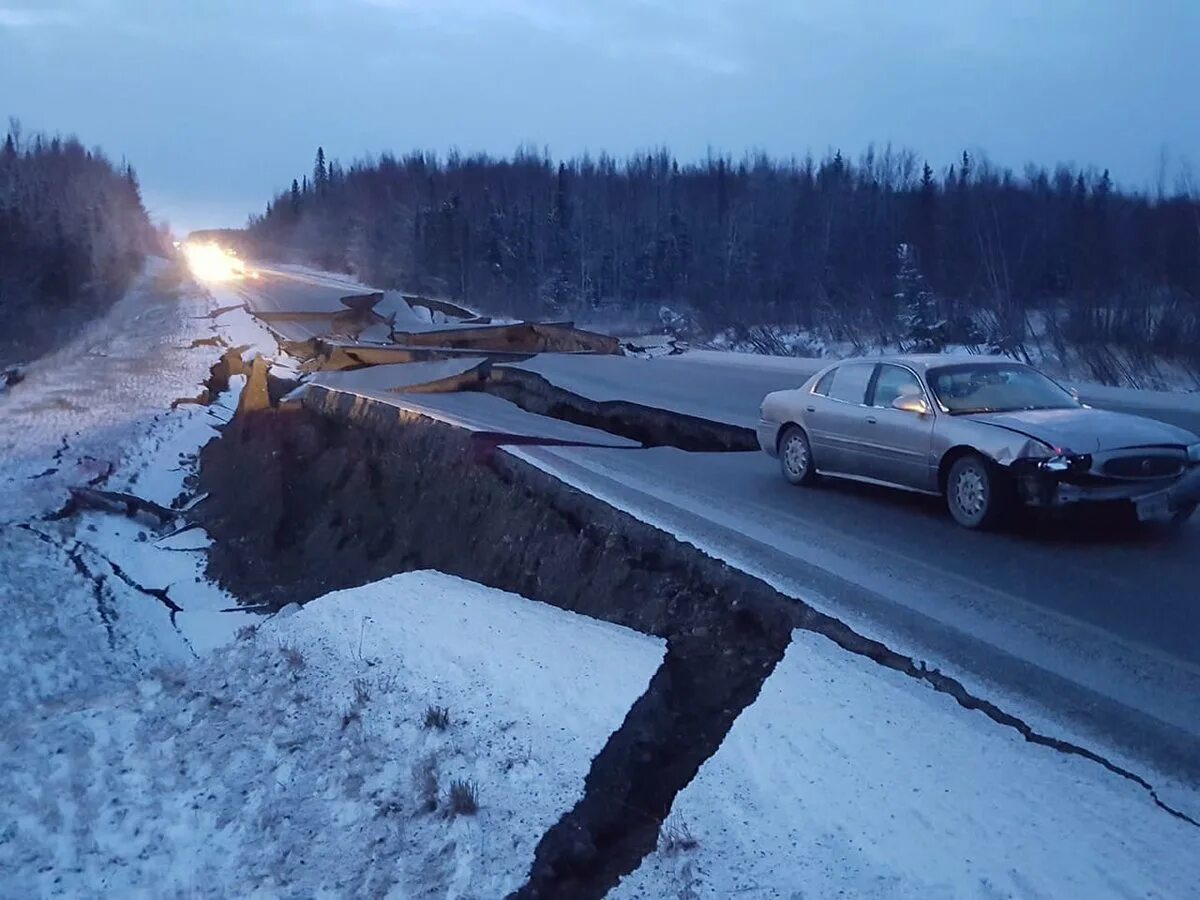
(306, 501)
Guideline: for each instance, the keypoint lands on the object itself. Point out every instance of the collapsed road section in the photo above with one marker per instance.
(340, 489)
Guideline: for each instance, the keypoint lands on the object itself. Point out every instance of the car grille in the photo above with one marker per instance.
(1143, 467)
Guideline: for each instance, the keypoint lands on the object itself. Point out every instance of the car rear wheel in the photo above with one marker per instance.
(795, 456)
(974, 493)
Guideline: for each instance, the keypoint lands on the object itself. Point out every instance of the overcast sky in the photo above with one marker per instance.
(220, 102)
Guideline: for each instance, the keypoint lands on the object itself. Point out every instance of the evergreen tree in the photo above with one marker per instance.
(320, 174)
(921, 332)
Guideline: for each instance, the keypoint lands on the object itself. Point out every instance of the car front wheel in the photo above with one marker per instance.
(974, 494)
(795, 456)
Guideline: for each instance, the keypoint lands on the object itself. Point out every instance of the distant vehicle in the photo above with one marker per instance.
(987, 433)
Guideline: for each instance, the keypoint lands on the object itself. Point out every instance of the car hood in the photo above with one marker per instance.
(1086, 430)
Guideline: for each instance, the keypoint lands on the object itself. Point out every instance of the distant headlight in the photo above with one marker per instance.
(1194, 453)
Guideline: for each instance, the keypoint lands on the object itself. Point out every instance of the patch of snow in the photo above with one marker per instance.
(296, 762)
(847, 779)
(97, 412)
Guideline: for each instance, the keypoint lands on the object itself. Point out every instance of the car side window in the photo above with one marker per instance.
(850, 385)
(822, 386)
(893, 382)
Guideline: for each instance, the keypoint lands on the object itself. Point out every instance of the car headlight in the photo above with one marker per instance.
(1194, 453)
(1067, 462)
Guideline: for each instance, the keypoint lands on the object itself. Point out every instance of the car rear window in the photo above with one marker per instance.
(822, 386)
(850, 382)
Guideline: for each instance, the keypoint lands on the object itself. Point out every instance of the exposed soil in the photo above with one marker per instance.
(304, 501)
(340, 490)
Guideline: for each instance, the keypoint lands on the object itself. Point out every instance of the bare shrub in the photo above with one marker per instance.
(463, 799)
(437, 717)
(247, 632)
(292, 656)
(676, 837)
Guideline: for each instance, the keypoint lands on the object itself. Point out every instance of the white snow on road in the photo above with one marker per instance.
(296, 762)
(849, 780)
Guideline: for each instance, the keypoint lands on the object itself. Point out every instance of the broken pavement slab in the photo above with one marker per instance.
(256, 394)
(479, 414)
(433, 376)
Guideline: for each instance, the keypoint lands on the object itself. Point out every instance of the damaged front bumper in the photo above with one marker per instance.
(768, 437)
(1156, 500)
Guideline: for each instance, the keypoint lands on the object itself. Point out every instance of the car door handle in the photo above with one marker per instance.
(810, 409)
(871, 420)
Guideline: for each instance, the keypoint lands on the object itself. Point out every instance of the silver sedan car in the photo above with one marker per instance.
(987, 433)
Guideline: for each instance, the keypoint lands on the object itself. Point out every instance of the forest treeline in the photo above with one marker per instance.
(836, 245)
(73, 233)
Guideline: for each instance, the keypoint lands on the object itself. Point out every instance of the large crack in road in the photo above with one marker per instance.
(645, 424)
(342, 490)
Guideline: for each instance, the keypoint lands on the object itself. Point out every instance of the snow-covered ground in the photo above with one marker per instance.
(147, 750)
(298, 761)
(848, 780)
(156, 741)
(97, 412)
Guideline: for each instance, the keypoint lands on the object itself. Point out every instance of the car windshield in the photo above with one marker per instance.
(987, 387)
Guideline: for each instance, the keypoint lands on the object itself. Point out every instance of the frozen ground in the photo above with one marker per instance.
(153, 744)
(297, 762)
(97, 413)
(847, 780)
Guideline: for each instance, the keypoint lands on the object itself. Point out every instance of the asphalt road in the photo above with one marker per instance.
(1092, 628)
(1096, 623)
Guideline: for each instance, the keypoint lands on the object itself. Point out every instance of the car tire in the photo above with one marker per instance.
(975, 493)
(795, 456)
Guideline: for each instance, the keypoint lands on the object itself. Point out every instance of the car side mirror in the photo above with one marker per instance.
(913, 403)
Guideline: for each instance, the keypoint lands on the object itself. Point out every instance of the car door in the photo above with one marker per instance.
(897, 446)
(836, 420)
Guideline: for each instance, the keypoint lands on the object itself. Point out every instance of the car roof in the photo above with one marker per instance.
(924, 361)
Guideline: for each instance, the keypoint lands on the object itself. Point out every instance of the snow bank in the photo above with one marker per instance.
(296, 762)
(847, 779)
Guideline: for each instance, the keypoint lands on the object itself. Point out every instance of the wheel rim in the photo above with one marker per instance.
(795, 456)
(970, 492)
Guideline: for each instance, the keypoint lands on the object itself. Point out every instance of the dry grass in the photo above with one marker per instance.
(676, 837)
(463, 799)
(437, 717)
(293, 657)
